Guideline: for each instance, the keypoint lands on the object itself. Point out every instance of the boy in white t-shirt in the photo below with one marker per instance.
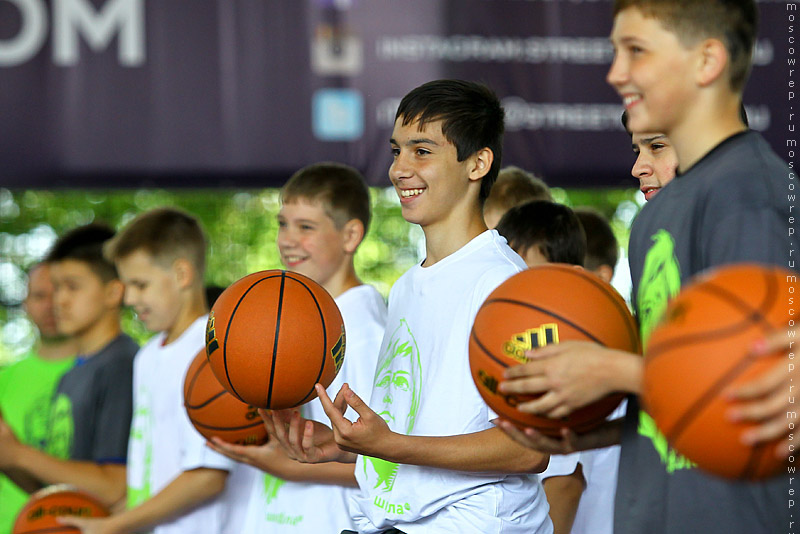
(173, 480)
(428, 458)
(325, 213)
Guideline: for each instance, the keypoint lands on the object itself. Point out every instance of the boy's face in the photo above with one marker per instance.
(656, 162)
(154, 292)
(309, 242)
(651, 71)
(426, 173)
(39, 302)
(533, 256)
(80, 297)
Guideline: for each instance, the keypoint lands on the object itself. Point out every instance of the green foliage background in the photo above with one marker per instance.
(241, 227)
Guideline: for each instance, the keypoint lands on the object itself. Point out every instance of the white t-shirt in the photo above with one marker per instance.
(278, 506)
(423, 386)
(595, 514)
(163, 442)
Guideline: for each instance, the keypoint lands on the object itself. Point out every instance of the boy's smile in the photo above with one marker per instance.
(651, 71)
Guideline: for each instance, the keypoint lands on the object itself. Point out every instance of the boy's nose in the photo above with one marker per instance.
(641, 168)
(617, 73)
(399, 169)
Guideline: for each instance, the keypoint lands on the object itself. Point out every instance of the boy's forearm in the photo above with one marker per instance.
(333, 473)
(186, 491)
(625, 374)
(105, 481)
(488, 451)
(23, 480)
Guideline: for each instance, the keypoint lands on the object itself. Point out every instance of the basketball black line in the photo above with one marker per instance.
(193, 382)
(752, 316)
(613, 296)
(53, 529)
(228, 331)
(275, 345)
(324, 337)
(205, 403)
(754, 461)
(548, 312)
(242, 427)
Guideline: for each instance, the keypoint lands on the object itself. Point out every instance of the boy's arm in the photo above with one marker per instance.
(572, 374)
(186, 491)
(271, 458)
(563, 495)
(487, 451)
(106, 481)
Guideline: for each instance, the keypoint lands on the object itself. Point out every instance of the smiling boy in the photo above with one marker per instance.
(727, 204)
(427, 456)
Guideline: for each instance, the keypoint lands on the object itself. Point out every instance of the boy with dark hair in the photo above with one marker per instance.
(27, 386)
(427, 457)
(656, 161)
(324, 216)
(602, 250)
(171, 477)
(514, 186)
(706, 47)
(544, 232)
(86, 443)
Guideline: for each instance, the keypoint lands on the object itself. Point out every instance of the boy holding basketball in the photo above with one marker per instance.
(324, 216)
(427, 458)
(86, 439)
(705, 46)
(172, 477)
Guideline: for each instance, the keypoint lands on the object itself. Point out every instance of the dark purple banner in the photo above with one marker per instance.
(162, 93)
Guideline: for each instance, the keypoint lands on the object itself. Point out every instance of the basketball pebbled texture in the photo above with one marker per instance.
(40, 513)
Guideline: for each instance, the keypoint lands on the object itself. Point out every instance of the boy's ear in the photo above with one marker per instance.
(481, 162)
(713, 61)
(114, 293)
(184, 272)
(353, 233)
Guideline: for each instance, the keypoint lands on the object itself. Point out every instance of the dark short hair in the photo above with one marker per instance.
(85, 244)
(471, 114)
(340, 189)
(554, 228)
(734, 22)
(166, 234)
(601, 245)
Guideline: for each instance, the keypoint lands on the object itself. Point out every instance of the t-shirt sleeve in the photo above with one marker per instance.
(561, 465)
(113, 413)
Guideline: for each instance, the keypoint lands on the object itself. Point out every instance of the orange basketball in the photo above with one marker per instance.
(271, 336)
(40, 512)
(700, 349)
(539, 306)
(215, 412)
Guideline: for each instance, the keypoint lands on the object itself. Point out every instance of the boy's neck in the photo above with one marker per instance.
(342, 280)
(57, 349)
(194, 306)
(98, 335)
(446, 237)
(708, 127)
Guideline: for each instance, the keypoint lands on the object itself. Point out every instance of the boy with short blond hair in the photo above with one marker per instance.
(172, 477)
(86, 443)
(324, 216)
(726, 205)
(428, 458)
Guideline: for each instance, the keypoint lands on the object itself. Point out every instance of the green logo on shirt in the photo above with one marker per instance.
(62, 428)
(661, 281)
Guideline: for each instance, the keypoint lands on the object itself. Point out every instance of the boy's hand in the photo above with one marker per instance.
(9, 446)
(302, 439)
(605, 435)
(766, 399)
(368, 435)
(570, 375)
(99, 525)
(260, 456)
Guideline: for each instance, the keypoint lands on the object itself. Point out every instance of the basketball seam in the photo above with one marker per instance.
(324, 338)
(548, 312)
(275, 344)
(241, 427)
(206, 402)
(228, 331)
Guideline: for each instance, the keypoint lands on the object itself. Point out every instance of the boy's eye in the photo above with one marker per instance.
(422, 152)
(281, 224)
(306, 227)
(655, 147)
(395, 152)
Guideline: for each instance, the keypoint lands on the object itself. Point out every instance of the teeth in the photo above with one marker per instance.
(406, 193)
(293, 259)
(628, 100)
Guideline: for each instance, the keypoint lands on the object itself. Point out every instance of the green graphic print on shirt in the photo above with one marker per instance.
(61, 428)
(396, 398)
(141, 436)
(661, 281)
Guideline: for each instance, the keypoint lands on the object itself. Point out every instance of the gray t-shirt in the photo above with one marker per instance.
(93, 404)
(730, 207)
